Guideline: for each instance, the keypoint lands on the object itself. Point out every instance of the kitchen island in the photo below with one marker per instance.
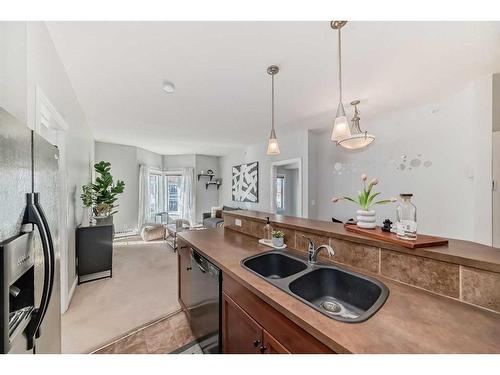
(412, 320)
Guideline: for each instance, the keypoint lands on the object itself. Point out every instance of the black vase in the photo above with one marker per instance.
(108, 220)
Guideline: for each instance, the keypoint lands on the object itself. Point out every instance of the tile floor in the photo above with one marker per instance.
(161, 337)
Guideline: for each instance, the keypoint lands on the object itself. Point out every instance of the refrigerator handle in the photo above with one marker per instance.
(51, 250)
(34, 215)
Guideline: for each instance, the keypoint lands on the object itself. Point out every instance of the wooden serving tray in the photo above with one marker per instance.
(421, 241)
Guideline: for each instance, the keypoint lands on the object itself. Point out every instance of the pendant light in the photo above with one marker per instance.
(340, 128)
(349, 137)
(272, 147)
(358, 138)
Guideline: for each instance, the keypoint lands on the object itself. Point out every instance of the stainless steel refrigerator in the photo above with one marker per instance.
(29, 241)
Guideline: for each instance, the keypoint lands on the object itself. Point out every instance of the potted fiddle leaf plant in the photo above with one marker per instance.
(278, 238)
(366, 201)
(102, 195)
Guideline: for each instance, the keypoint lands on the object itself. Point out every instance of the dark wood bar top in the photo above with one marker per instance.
(461, 252)
(411, 321)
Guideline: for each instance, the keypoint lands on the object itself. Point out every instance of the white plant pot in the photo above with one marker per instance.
(365, 219)
(278, 242)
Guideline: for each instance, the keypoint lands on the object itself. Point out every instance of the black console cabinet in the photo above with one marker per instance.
(94, 252)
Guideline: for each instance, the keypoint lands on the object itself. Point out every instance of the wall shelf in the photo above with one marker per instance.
(205, 175)
(217, 183)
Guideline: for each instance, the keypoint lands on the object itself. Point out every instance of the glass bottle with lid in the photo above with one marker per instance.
(406, 218)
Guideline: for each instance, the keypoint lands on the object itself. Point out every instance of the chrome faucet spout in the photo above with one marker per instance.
(313, 251)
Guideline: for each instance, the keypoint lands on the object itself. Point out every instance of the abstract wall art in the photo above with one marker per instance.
(245, 182)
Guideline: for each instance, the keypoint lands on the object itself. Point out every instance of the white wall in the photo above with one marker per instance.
(452, 194)
(29, 59)
(124, 167)
(292, 145)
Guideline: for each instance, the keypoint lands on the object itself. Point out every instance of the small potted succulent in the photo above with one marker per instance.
(366, 200)
(278, 238)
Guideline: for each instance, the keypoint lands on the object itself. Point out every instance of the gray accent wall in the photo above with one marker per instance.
(124, 166)
(125, 162)
(206, 198)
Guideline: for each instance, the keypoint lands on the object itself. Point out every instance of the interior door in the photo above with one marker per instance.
(241, 334)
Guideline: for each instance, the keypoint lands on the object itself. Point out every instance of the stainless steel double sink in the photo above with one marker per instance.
(337, 293)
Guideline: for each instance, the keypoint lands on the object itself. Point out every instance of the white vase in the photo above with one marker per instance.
(278, 241)
(365, 219)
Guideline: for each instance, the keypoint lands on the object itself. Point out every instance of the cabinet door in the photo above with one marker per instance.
(241, 334)
(184, 274)
(271, 346)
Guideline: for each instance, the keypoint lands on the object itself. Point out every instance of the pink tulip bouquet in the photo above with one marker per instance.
(365, 201)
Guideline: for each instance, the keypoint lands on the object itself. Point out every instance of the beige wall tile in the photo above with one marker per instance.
(257, 229)
(481, 288)
(229, 221)
(436, 276)
(289, 236)
(365, 257)
(301, 243)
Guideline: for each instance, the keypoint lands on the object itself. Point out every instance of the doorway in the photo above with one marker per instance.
(286, 187)
(496, 189)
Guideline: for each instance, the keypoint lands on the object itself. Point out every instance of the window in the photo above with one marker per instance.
(280, 193)
(164, 197)
(155, 204)
(172, 195)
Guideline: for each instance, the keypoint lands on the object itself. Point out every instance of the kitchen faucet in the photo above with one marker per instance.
(313, 251)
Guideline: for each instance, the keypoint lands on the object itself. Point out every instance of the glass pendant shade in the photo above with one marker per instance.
(356, 141)
(272, 147)
(340, 128)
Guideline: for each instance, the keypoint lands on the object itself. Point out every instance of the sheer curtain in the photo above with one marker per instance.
(187, 196)
(143, 196)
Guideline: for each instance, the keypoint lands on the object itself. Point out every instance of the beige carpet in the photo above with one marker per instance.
(143, 288)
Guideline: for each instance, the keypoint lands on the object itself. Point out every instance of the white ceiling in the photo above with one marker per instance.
(222, 98)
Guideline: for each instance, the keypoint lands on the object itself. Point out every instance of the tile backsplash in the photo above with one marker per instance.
(467, 284)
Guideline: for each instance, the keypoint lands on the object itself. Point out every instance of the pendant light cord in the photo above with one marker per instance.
(272, 101)
(340, 64)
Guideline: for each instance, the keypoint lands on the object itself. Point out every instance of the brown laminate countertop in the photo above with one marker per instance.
(461, 252)
(411, 320)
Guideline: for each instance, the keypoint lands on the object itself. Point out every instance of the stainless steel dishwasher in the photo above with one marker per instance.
(205, 306)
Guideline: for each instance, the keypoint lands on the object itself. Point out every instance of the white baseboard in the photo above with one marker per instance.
(71, 292)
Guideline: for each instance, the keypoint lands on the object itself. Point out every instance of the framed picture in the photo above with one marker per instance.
(245, 182)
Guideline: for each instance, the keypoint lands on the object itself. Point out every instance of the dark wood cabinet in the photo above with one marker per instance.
(184, 275)
(242, 334)
(271, 345)
(94, 252)
(251, 326)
